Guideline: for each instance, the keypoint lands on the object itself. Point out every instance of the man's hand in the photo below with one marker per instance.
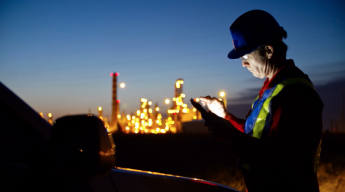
(214, 105)
(220, 128)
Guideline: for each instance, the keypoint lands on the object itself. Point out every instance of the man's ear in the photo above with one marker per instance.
(269, 51)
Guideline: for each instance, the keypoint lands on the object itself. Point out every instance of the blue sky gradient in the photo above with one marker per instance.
(57, 55)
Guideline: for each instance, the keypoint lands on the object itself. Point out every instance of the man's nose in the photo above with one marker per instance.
(245, 63)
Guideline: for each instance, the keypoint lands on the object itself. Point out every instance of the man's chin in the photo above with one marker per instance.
(258, 76)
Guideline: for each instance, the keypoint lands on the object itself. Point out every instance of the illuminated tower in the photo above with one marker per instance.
(114, 103)
(178, 92)
(178, 104)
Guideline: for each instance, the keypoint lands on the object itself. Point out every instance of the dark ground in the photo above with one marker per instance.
(203, 157)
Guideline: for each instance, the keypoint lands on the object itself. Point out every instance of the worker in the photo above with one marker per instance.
(278, 144)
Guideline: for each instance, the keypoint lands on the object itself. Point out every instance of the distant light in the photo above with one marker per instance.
(194, 117)
(143, 100)
(122, 85)
(197, 99)
(183, 95)
(150, 110)
(150, 102)
(157, 108)
(167, 101)
(119, 116)
(49, 115)
(99, 108)
(194, 109)
(117, 101)
(111, 74)
(177, 84)
(116, 74)
(127, 128)
(222, 94)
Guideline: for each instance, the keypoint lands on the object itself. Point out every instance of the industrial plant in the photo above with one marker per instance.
(148, 118)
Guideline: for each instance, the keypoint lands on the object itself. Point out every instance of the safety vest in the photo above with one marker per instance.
(259, 122)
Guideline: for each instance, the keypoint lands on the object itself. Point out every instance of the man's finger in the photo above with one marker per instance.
(206, 97)
(205, 100)
(214, 98)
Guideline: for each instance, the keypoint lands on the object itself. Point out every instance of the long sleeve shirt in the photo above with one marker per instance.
(285, 158)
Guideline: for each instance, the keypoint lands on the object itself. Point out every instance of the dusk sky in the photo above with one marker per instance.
(57, 55)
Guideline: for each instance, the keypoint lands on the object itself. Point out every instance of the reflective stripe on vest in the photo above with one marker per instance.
(256, 122)
(261, 108)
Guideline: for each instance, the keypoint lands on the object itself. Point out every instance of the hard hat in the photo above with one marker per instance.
(251, 30)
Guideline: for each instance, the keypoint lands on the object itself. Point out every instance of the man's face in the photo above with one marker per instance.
(255, 64)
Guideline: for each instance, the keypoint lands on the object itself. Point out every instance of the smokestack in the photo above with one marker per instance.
(114, 103)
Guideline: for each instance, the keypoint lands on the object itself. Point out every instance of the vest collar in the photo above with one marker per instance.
(288, 70)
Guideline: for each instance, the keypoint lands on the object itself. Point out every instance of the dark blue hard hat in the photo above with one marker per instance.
(251, 30)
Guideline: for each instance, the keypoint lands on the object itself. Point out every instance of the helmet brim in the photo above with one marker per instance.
(236, 54)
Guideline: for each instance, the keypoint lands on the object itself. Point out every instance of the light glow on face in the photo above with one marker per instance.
(244, 57)
(257, 65)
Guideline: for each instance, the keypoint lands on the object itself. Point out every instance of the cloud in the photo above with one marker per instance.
(246, 97)
(239, 110)
(241, 105)
(331, 95)
(327, 72)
